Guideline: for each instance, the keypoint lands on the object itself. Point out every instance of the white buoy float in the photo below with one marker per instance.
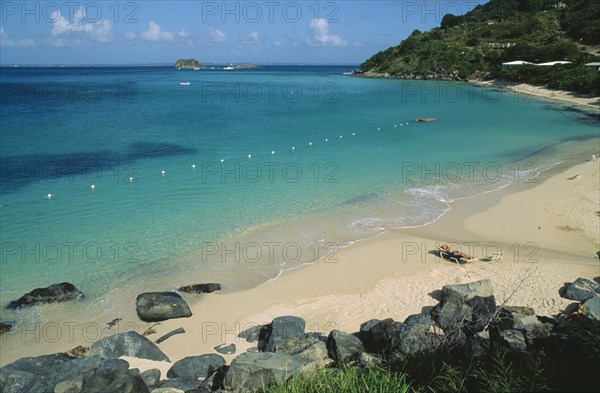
(395, 125)
(309, 143)
(49, 196)
(272, 152)
(354, 133)
(326, 140)
(131, 179)
(293, 147)
(249, 156)
(93, 187)
(341, 136)
(222, 160)
(193, 166)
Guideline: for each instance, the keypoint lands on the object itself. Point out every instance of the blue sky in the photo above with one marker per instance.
(122, 32)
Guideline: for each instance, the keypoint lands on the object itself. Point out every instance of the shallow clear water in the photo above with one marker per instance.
(242, 220)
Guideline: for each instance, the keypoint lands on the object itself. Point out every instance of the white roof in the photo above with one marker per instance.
(594, 64)
(517, 62)
(551, 63)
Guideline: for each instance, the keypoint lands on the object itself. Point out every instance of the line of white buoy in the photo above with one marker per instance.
(163, 172)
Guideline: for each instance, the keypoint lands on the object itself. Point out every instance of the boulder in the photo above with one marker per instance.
(225, 349)
(381, 337)
(280, 330)
(200, 288)
(311, 348)
(343, 347)
(524, 320)
(31, 374)
(591, 308)
(160, 306)
(196, 367)
(151, 377)
(465, 307)
(416, 337)
(369, 361)
(251, 334)
(80, 366)
(103, 381)
(581, 290)
(512, 340)
(55, 293)
(215, 380)
(127, 344)
(478, 345)
(178, 384)
(6, 327)
(255, 371)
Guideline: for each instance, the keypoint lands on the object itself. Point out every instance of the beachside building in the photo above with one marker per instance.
(595, 66)
(553, 63)
(515, 63)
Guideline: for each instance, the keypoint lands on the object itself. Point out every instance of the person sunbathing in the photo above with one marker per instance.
(453, 252)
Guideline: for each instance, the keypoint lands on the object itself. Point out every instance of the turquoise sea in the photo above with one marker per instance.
(242, 174)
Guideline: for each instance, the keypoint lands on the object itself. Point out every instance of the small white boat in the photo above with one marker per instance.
(184, 83)
(196, 68)
(229, 67)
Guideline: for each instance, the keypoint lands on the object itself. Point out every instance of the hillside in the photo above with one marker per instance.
(187, 64)
(475, 45)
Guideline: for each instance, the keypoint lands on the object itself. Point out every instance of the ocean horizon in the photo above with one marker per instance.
(121, 179)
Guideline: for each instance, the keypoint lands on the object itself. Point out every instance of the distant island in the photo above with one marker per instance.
(189, 64)
(542, 42)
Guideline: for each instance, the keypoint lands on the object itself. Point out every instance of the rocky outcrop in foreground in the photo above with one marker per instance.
(467, 323)
(160, 306)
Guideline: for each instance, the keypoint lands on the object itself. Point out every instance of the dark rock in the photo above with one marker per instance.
(279, 331)
(200, 288)
(368, 361)
(591, 308)
(196, 367)
(524, 320)
(170, 334)
(151, 377)
(581, 290)
(343, 347)
(55, 293)
(251, 372)
(311, 349)
(103, 381)
(177, 384)
(225, 349)
(82, 365)
(127, 344)
(31, 374)
(215, 380)
(382, 337)
(512, 340)
(478, 345)
(251, 334)
(6, 327)
(160, 306)
(416, 336)
(465, 307)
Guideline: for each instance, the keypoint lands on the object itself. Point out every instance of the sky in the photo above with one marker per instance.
(221, 32)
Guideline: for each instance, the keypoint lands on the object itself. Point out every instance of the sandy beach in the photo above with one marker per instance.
(395, 276)
(544, 92)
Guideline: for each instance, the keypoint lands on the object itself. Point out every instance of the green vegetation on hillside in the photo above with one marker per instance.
(474, 45)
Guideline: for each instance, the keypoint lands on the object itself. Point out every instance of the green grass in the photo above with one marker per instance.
(349, 380)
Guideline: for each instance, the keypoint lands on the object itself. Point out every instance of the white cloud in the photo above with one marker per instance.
(7, 42)
(217, 35)
(129, 36)
(319, 29)
(277, 43)
(182, 33)
(65, 32)
(155, 33)
(251, 38)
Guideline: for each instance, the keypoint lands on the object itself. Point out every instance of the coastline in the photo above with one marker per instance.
(563, 96)
(401, 277)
